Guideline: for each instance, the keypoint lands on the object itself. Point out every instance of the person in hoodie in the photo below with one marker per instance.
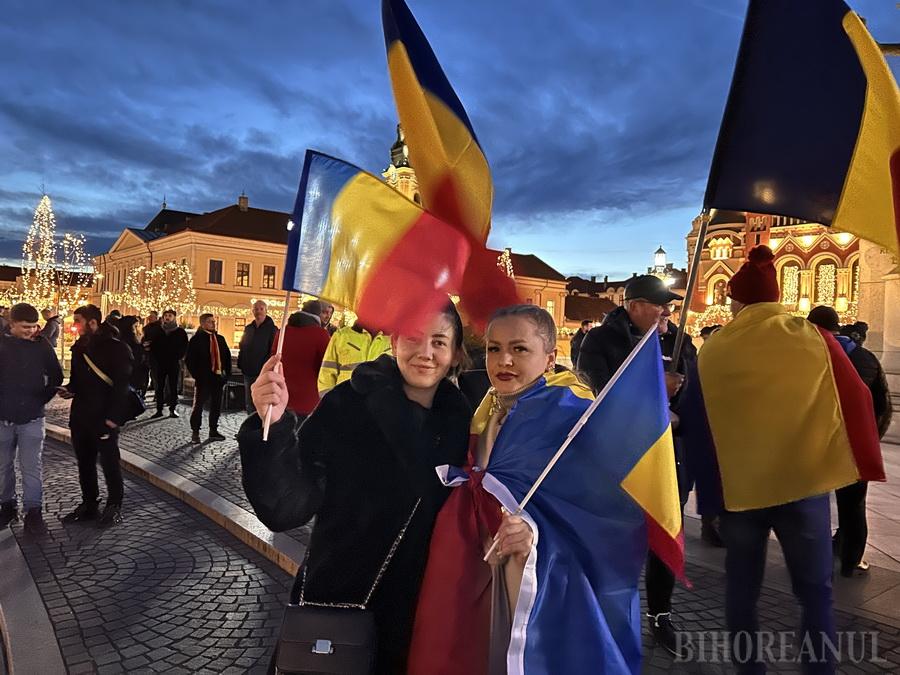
(98, 384)
(305, 342)
(29, 376)
(255, 348)
(168, 344)
(364, 465)
(51, 327)
(853, 530)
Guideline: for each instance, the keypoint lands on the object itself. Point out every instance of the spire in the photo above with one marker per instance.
(399, 151)
(164, 205)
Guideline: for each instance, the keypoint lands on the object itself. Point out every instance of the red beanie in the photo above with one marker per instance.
(756, 281)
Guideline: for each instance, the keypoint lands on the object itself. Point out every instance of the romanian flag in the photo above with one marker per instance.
(361, 244)
(812, 125)
(613, 489)
(786, 415)
(453, 173)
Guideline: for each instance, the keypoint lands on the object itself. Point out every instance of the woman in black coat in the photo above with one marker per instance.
(359, 464)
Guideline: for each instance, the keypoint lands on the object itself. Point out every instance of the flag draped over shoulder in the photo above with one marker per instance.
(787, 417)
(454, 177)
(361, 244)
(812, 125)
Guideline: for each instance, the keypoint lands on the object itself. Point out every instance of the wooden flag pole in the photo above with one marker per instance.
(578, 426)
(689, 291)
(278, 368)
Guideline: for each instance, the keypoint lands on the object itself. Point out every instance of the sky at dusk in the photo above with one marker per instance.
(598, 118)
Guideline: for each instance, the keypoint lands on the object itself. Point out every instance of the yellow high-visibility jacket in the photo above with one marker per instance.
(346, 350)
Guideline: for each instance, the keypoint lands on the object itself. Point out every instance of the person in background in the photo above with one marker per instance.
(98, 387)
(326, 318)
(849, 542)
(127, 334)
(208, 360)
(150, 330)
(29, 376)
(113, 317)
(707, 331)
(349, 347)
(305, 342)
(51, 327)
(577, 339)
(168, 345)
(255, 347)
(4, 320)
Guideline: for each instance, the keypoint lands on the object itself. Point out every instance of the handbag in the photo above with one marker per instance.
(135, 404)
(331, 638)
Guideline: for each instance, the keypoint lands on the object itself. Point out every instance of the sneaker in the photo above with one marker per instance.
(8, 513)
(157, 415)
(195, 438)
(84, 511)
(216, 436)
(174, 413)
(34, 522)
(860, 570)
(665, 634)
(112, 515)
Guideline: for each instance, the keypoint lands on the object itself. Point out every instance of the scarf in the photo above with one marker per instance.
(168, 326)
(215, 360)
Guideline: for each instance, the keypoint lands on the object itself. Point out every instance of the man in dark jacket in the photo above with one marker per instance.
(168, 344)
(29, 376)
(577, 339)
(51, 327)
(648, 304)
(853, 530)
(209, 362)
(255, 348)
(98, 387)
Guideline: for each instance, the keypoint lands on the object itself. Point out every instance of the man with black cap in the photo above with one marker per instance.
(648, 304)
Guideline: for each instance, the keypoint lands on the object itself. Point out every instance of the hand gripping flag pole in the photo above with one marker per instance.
(278, 368)
(578, 426)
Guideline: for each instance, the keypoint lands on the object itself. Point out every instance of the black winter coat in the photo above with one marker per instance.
(198, 360)
(95, 401)
(870, 371)
(165, 348)
(256, 346)
(358, 464)
(29, 376)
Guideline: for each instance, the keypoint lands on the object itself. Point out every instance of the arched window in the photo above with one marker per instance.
(825, 283)
(790, 284)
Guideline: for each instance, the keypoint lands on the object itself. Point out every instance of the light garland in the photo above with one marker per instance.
(713, 315)
(158, 288)
(72, 278)
(826, 275)
(39, 257)
(790, 285)
(504, 262)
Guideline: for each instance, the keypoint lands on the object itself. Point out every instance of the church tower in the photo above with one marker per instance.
(399, 174)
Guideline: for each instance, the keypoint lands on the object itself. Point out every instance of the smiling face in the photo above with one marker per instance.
(425, 359)
(516, 354)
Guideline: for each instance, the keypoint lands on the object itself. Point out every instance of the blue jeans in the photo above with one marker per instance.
(803, 529)
(29, 438)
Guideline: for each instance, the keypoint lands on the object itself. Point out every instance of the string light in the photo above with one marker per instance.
(790, 285)
(504, 262)
(161, 287)
(826, 286)
(39, 257)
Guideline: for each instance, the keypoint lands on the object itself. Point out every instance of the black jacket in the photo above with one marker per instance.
(870, 371)
(198, 360)
(358, 464)
(29, 376)
(575, 347)
(95, 401)
(256, 346)
(474, 383)
(165, 348)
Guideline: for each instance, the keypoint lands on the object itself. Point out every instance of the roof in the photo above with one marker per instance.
(167, 217)
(589, 287)
(725, 217)
(529, 265)
(581, 307)
(145, 235)
(9, 272)
(232, 221)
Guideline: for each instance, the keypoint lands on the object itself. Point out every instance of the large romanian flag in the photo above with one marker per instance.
(613, 491)
(786, 415)
(454, 177)
(361, 244)
(812, 125)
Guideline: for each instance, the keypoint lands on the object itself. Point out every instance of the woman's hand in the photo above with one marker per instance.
(270, 389)
(514, 538)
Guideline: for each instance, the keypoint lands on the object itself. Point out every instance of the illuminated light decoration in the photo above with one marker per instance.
(504, 262)
(844, 238)
(803, 305)
(774, 242)
(841, 304)
(714, 315)
(826, 284)
(790, 284)
(72, 276)
(39, 257)
(161, 287)
(807, 240)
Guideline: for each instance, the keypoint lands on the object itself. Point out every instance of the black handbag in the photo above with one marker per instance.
(331, 638)
(134, 403)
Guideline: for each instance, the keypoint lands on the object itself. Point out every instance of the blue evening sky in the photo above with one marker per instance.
(598, 117)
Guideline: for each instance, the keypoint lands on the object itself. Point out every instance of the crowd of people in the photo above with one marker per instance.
(360, 421)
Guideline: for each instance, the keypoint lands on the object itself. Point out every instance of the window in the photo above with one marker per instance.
(790, 284)
(268, 278)
(215, 271)
(550, 307)
(242, 278)
(239, 324)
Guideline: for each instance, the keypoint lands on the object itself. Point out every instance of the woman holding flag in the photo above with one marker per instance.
(363, 465)
(559, 591)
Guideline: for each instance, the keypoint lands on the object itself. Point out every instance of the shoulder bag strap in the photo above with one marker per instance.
(99, 373)
(378, 577)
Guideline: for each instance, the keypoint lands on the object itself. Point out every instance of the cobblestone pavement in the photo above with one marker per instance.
(165, 591)
(215, 466)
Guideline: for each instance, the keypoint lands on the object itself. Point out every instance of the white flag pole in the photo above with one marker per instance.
(578, 426)
(278, 368)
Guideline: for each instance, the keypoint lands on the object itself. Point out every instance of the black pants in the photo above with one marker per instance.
(659, 581)
(853, 531)
(88, 445)
(207, 390)
(166, 376)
